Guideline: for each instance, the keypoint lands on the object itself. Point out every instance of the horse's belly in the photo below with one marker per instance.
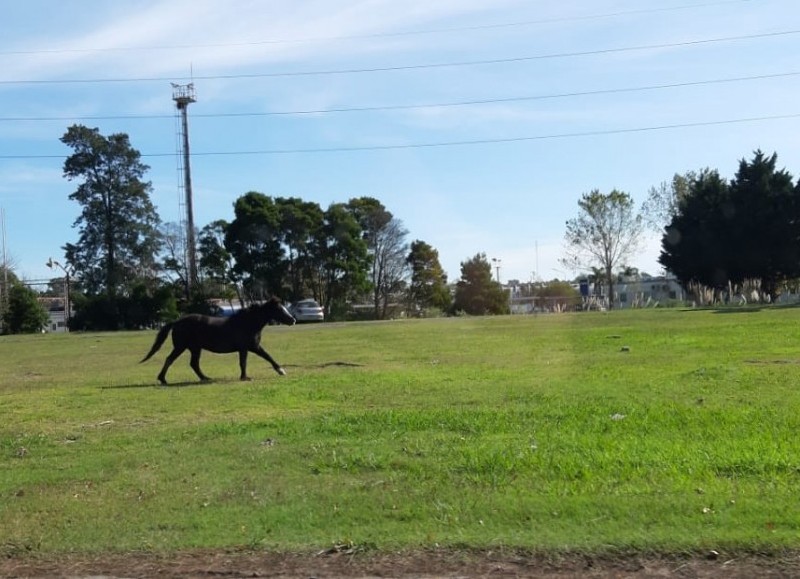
(211, 334)
(221, 348)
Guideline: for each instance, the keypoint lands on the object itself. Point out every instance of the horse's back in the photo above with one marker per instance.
(201, 320)
(207, 332)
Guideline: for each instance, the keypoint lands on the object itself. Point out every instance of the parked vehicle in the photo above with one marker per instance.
(307, 310)
(224, 310)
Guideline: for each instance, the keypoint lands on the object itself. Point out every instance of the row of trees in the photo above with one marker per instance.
(350, 252)
(716, 234)
(128, 268)
(723, 233)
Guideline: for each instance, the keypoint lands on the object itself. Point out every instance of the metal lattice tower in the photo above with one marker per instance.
(184, 95)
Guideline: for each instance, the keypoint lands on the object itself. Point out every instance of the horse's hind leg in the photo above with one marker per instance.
(195, 364)
(162, 376)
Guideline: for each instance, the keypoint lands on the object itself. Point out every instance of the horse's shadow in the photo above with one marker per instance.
(325, 365)
(195, 383)
(187, 384)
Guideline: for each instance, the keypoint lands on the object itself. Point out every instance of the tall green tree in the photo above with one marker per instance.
(730, 232)
(118, 237)
(767, 221)
(476, 292)
(300, 222)
(341, 260)
(253, 238)
(606, 233)
(428, 286)
(694, 244)
(371, 216)
(24, 315)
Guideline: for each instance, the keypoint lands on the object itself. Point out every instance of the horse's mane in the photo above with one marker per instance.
(246, 312)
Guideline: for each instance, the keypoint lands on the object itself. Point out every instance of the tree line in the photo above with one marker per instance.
(127, 269)
(724, 233)
(717, 235)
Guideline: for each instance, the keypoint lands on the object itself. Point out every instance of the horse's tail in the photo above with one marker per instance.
(160, 339)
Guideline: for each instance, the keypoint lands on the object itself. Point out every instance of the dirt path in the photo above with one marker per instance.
(418, 564)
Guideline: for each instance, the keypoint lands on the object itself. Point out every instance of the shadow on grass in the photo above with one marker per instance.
(772, 362)
(189, 384)
(725, 309)
(325, 365)
(157, 385)
(745, 309)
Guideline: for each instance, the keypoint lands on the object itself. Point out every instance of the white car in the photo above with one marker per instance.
(307, 311)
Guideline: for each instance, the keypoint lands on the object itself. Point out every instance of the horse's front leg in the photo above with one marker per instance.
(243, 365)
(258, 350)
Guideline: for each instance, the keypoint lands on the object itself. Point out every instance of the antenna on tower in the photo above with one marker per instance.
(184, 95)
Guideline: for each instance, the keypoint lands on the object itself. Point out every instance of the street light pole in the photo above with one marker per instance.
(497, 261)
(51, 263)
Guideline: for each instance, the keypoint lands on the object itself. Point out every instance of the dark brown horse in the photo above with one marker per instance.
(240, 332)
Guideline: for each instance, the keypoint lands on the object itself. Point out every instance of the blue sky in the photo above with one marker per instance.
(583, 94)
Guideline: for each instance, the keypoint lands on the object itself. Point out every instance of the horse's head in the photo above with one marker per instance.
(275, 311)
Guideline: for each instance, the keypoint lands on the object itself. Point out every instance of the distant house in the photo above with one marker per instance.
(645, 291)
(58, 315)
(648, 291)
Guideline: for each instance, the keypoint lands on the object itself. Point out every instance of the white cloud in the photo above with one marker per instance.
(213, 36)
(18, 177)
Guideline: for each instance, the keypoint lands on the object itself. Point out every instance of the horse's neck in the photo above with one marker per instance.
(254, 323)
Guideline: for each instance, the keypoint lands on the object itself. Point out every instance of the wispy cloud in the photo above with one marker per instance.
(169, 36)
(18, 177)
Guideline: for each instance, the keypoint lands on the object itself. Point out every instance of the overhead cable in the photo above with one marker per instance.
(400, 146)
(435, 65)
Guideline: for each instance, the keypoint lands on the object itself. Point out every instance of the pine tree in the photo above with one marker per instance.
(118, 223)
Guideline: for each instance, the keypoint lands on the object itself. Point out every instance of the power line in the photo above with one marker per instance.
(500, 25)
(505, 140)
(572, 135)
(375, 108)
(435, 65)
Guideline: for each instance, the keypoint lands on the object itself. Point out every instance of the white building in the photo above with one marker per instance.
(646, 292)
(58, 316)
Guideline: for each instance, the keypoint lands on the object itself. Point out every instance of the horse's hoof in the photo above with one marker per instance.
(246, 379)
(281, 371)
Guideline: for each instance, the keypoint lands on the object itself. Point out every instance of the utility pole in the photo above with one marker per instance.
(184, 95)
(497, 261)
(4, 292)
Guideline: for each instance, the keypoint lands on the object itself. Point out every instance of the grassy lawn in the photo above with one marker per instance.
(656, 429)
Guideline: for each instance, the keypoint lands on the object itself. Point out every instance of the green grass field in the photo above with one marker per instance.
(661, 430)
